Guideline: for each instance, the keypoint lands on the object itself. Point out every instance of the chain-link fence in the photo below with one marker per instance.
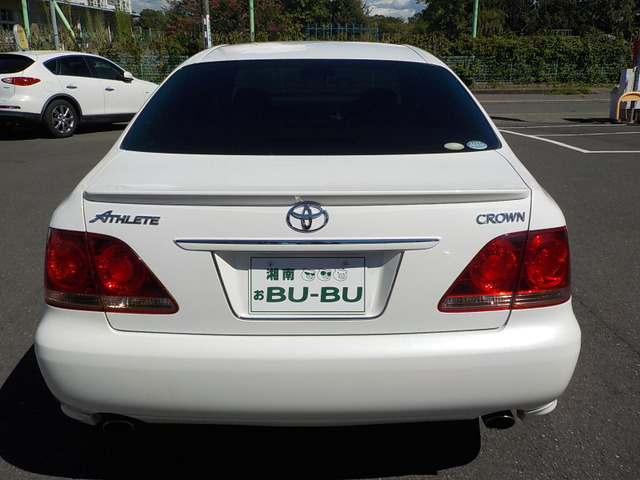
(473, 70)
(479, 71)
(7, 41)
(362, 32)
(153, 68)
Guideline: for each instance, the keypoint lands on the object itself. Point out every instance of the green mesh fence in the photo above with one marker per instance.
(473, 70)
(153, 68)
(476, 70)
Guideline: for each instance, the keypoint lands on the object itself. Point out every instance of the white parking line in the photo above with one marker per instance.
(590, 134)
(565, 145)
(578, 125)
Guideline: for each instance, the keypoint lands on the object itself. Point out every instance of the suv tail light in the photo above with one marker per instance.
(21, 81)
(97, 272)
(518, 270)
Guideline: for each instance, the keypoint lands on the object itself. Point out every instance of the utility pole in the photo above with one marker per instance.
(54, 24)
(25, 19)
(474, 30)
(252, 25)
(206, 25)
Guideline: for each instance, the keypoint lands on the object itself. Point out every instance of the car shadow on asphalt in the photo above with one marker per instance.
(18, 132)
(507, 119)
(600, 120)
(35, 436)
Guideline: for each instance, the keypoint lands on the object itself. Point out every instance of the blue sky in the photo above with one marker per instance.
(391, 8)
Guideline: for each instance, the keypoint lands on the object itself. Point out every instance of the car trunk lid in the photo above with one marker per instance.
(214, 230)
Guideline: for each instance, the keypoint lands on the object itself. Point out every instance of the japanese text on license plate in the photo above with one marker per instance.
(307, 285)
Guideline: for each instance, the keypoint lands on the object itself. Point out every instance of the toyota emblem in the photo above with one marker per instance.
(307, 217)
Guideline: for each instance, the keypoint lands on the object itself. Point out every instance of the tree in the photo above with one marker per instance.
(391, 29)
(557, 15)
(348, 11)
(520, 16)
(453, 18)
(327, 11)
(323, 12)
(446, 17)
(153, 19)
(615, 17)
(492, 22)
(183, 27)
(303, 12)
(229, 22)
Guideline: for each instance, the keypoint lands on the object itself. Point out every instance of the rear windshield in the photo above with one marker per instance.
(14, 63)
(310, 107)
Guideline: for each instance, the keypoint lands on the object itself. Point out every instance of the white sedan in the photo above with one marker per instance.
(60, 90)
(332, 234)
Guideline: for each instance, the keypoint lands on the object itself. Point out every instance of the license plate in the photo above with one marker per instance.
(292, 285)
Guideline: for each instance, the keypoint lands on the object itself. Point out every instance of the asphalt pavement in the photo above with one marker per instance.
(507, 107)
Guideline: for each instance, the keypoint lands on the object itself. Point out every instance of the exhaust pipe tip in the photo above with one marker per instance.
(499, 420)
(118, 426)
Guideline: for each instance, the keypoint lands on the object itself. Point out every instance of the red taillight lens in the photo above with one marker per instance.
(119, 271)
(97, 272)
(520, 270)
(496, 267)
(21, 81)
(547, 261)
(546, 275)
(68, 273)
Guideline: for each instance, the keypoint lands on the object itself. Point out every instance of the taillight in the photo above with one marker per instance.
(518, 270)
(97, 272)
(21, 81)
(68, 274)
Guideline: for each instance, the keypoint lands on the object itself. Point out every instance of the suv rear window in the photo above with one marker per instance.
(310, 107)
(14, 63)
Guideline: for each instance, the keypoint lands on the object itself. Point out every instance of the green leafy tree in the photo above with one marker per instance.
(123, 41)
(492, 22)
(520, 15)
(305, 12)
(229, 22)
(453, 18)
(446, 17)
(348, 11)
(392, 29)
(558, 15)
(153, 19)
(123, 25)
(582, 17)
(615, 17)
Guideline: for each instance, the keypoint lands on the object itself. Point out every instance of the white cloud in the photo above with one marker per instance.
(395, 8)
(139, 5)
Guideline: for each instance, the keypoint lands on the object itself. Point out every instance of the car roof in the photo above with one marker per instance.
(315, 50)
(43, 55)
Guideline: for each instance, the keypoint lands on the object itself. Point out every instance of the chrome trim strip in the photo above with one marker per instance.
(283, 199)
(324, 245)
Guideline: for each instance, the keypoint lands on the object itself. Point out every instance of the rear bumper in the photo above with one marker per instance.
(306, 380)
(18, 116)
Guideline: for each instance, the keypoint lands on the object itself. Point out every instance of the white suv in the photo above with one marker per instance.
(62, 89)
